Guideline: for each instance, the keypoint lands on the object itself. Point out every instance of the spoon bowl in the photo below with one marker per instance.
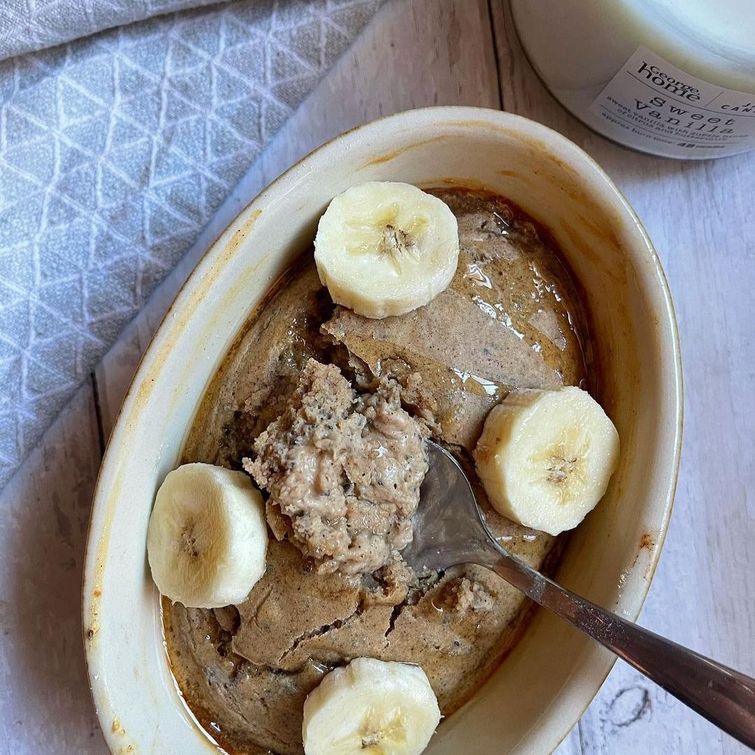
(449, 526)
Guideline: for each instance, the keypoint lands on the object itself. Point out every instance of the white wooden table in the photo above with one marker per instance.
(701, 217)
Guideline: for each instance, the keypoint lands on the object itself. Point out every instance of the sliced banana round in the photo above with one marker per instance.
(207, 536)
(385, 248)
(545, 457)
(370, 707)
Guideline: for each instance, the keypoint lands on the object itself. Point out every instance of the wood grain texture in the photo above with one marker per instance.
(45, 706)
(700, 216)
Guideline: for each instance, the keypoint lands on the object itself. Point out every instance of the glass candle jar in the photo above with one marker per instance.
(671, 77)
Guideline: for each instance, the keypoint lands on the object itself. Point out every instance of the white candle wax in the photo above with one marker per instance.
(670, 77)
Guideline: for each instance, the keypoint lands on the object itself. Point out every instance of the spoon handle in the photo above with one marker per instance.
(722, 695)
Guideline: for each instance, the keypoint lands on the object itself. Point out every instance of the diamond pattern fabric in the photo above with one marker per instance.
(114, 152)
(27, 25)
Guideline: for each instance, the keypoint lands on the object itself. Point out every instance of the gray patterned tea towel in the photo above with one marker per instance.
(115, 149)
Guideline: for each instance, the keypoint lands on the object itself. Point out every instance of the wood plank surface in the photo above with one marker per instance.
(45, 706)
(700, 216)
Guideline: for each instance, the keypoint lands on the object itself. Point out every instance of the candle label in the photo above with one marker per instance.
(656, 106)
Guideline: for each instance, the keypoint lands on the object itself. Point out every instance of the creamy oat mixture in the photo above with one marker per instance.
(343, 472)
(510, 319)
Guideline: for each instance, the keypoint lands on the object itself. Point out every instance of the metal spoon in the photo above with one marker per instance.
(450, 529)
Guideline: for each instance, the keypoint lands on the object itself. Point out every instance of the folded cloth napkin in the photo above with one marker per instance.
(114, 152)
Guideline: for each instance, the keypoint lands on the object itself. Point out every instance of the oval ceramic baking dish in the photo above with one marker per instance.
(541, 689)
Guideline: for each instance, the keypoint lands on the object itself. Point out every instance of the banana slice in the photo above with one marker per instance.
(545, 457)
(386, 248)
(370, 707)
(207, 537)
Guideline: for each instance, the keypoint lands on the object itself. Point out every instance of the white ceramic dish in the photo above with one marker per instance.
(542, 688)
